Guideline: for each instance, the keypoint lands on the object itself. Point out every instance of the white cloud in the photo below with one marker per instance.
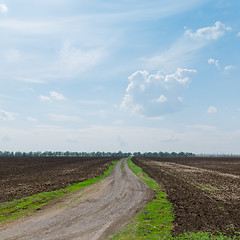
(161, 99)
(61, 117)
(213, 61)
(238, 34)
(53, 96)
(229, 68)
(209, 33)
(44, 98)
(4, 115)
(56, 96)
(212, 109)
(3, 8)
(146, 91)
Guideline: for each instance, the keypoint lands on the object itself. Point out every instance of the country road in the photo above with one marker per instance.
(95, 212)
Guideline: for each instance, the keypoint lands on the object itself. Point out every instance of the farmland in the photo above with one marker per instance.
(93, 212)
(24, 176)
(204, 191)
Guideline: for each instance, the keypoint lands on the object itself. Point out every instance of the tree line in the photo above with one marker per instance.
(92, 154)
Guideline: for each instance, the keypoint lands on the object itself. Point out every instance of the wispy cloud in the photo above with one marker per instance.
(73, 60)
(12, 55)
(56, 95)
(61, 117)
(31, 80)
(204, 127)
(27, 27)
(4, 115)
(182, 52)
(31, 119)
(92, 102)
(3, 8)
(53, 96)
(212, 109)
(44, 98)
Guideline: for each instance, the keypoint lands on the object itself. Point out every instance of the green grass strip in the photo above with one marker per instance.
(155, 220)
(122, 165)
(21, 207)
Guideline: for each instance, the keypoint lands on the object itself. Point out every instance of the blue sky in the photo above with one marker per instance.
(125, 75)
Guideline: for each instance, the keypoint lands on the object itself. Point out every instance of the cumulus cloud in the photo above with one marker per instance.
(212, 109)
(3, 8)
(213, 61)
(154, 95)
(4, 115)
(53, 96)
(209, 33)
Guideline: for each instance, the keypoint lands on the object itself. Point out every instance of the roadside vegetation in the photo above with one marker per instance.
(19, 208)
(155, 221)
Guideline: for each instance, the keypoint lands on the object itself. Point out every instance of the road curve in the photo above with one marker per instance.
(95, 212)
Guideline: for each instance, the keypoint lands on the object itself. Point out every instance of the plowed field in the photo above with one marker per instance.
(25, 176)
(204, 191)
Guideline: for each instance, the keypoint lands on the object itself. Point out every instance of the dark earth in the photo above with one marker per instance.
(204, 191)
(25, 176)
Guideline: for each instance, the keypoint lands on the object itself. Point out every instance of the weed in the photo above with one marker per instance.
(122, 165)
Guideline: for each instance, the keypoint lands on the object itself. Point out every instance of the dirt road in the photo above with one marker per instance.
(93, 213)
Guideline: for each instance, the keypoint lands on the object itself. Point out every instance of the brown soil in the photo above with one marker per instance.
(204, 191)
(93, 213)
(25, 176)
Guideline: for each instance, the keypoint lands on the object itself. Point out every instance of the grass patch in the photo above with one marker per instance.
(206, 187)
(122, 165)
(18, 208)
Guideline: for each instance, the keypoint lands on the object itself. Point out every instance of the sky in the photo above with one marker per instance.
(146, 75)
